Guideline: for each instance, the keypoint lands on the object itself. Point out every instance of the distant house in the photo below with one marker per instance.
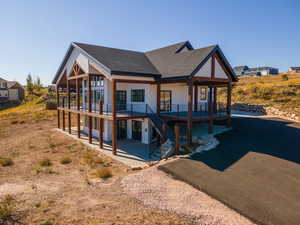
(294, 70)
(10, 91)
(258, 71)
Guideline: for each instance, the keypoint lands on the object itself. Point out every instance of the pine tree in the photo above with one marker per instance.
(29, 85)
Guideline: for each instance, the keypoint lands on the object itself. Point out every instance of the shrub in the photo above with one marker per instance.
(45, 162)
(103, 173)
(65, 160)
(47, 223)
(8, 212)
(91, 159)
(39, 169)
(6, 161)
(284, 77)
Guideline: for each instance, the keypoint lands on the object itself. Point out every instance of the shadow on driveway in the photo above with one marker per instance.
(255, 170)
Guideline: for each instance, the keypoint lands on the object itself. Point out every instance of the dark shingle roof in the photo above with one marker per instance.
(164, 62)
(172, 64)
(295, 68)
(120, 60)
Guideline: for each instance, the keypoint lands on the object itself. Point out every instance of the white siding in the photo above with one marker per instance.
(205, 70)
(219, 72)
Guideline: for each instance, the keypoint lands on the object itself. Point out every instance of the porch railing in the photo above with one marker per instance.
(134, 109)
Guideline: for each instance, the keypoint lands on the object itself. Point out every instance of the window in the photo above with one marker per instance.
(203, 94)
(165, 101)
(138, 95)
(101, 82)
(99, 95)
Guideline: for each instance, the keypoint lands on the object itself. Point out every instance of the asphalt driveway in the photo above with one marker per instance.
(255, 170)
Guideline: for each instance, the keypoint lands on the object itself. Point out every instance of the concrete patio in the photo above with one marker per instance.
(130, 152)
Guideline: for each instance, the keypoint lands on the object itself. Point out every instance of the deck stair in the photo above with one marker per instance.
(156, 121)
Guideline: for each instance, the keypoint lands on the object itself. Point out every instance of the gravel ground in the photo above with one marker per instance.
(157, 190)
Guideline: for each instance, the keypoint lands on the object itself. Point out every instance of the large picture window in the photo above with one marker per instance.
(138, 95)
(165, 101)
(203, 93)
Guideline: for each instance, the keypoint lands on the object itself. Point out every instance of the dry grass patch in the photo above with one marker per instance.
(45, 162)
(92, 160)
(103, 173)
(8, 211)
(66, 160)
(6, 161)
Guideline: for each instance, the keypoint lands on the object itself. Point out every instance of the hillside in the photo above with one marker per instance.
(281, 91)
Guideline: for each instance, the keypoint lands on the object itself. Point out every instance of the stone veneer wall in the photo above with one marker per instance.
(265, 110)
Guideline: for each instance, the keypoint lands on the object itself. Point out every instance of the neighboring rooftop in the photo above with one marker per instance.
(295, 68)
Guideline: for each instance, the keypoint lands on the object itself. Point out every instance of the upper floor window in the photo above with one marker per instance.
(203, 93)
(138, 95)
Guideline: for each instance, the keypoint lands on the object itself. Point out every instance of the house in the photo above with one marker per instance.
(294, 70)
(11, 91)
(257, 71)
(122, 94)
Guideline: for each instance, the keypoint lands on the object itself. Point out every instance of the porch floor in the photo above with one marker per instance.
(130, 152)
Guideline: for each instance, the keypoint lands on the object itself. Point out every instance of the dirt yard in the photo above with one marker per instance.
(53, 178)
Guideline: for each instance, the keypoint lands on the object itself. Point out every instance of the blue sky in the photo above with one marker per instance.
(36, 34)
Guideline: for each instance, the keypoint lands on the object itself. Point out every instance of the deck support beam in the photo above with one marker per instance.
(57, 102)
(78, 107)
(228, 108)
(210, 106)
(158, 88)
(101, 125)
(69, 106)
(215, 100)
(63, 116)
(114, 119)
(90, 108)
(196, 98)
(190, 113)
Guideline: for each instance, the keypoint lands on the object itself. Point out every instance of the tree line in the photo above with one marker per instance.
(32, 84)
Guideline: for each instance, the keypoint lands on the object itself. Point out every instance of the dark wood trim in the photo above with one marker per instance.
(135, 81)
(69, 106)
(57, 105)
(85, 75)
(190, 112)
(215, 100)
(211, 80)
(101, 125)
(114, 117)
(210, 100)
(220, 61)
(90, 124)
(213, 66)
(229, 90)
(64, 122)
(78, 125)
(196, 93)
(158, 88)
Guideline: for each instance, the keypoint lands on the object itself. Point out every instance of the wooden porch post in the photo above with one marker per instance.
(215, 100)
(177, 136)
(69, 105)
(101, 124)
(196, 98)
(57, 102)
(114, 118)
(63, 115)
(190, 113)
(158, 88)
(210, 122)
(90, 107)
(229, 90)
(78, 106)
